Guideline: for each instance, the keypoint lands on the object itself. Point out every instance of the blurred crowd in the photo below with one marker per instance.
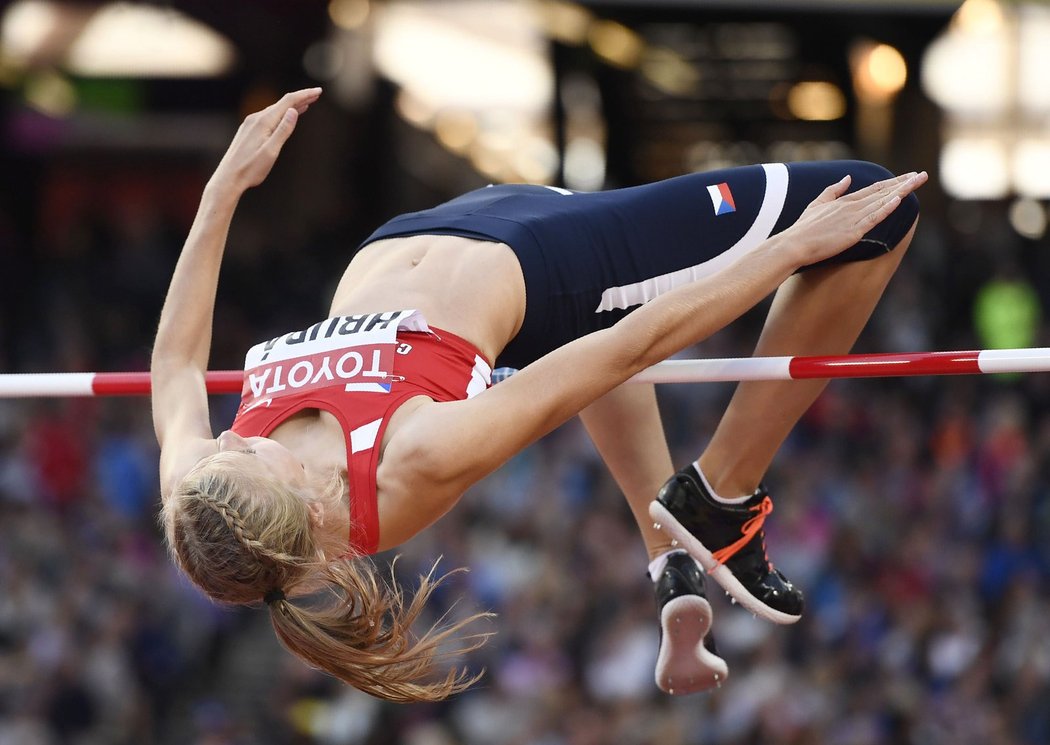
(914, 512)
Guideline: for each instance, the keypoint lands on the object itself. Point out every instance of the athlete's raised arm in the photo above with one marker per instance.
(181, 349)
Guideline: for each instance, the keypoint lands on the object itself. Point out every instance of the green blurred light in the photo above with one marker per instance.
(112, 96)
(1007, 314)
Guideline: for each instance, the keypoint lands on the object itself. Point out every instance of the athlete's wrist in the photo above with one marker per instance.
(221, 192)
(785, 251)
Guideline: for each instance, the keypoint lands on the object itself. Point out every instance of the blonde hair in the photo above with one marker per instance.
(242, 536)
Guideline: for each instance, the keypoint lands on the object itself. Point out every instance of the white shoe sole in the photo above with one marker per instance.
(715, 570)
(684, 664)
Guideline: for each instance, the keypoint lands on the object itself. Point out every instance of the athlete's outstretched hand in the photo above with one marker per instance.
(834, 221)
(259, 140)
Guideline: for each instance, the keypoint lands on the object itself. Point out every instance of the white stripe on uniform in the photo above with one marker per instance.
(638, 293)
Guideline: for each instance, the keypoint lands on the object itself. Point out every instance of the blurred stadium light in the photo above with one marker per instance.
(117, 39)
(475, 73)
(988, 72)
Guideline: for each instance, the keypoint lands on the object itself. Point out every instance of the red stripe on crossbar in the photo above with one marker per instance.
(137, 384)
(885, 365)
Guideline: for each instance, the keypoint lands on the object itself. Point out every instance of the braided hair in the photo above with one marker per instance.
(223, 527)
(243, 537)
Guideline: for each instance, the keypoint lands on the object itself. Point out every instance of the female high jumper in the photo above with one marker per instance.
(358, 432)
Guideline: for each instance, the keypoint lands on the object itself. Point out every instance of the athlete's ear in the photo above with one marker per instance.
(316, 508)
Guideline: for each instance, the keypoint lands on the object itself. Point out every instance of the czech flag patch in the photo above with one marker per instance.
(722, 198)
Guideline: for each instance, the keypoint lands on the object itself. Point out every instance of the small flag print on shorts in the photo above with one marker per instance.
(722, 198)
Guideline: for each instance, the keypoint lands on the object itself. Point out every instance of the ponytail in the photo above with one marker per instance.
(362, 634)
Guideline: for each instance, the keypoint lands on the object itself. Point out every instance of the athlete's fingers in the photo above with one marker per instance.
(884, 206)
(284, 128)
(296, 99)
(907, 183)
(834, 191)
(871, 191)
(302, 99)
(907, 186)
(875, 190)
(876, 199)
(915, 182)
(299, 100)
(883, 209)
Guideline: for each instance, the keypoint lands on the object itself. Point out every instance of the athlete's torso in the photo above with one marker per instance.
(472, 288)
(358, 369)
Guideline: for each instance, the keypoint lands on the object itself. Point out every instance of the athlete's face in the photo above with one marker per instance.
(270, 454)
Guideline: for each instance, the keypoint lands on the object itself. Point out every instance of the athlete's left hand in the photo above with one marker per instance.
(834, 221)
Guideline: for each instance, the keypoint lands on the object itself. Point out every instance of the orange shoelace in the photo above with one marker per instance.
(749, 529)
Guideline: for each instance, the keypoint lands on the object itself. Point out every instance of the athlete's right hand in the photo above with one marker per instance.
(834, 221)
(259, 140)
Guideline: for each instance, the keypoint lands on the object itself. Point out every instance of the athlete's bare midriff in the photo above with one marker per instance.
(474, 289)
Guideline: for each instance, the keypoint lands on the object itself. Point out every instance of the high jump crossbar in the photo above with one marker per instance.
(63, 385)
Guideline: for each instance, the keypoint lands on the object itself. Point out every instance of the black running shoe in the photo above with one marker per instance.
(729, 543)
(688, 661)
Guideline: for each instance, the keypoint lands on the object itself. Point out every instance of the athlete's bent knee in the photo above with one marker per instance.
(894, 228)
(887, 235)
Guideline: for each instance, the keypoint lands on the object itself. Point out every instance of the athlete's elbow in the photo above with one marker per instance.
(636, 346)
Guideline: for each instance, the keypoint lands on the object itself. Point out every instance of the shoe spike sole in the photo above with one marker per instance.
(684, 664)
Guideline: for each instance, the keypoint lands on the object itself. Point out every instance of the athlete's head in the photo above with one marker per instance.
(239, 529)
(246, 524)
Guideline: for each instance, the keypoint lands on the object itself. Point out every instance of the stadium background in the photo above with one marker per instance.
(914, 512)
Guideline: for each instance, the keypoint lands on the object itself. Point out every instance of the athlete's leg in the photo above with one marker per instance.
(717, 512)
(818, 312)
(626, 428)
